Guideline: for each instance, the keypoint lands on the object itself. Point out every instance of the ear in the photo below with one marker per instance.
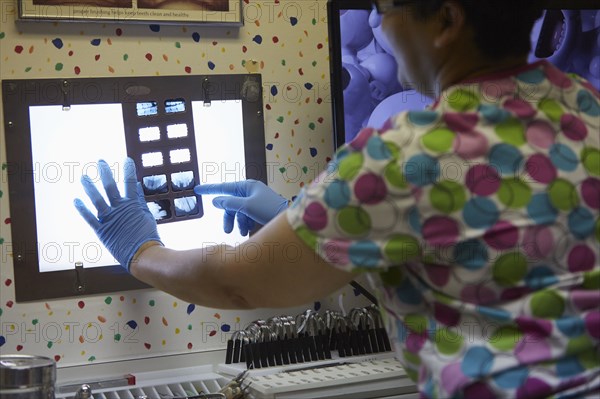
(451, 22)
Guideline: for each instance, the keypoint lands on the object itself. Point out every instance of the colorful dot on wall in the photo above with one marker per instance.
(7, 282)
(101, 319)
(151, 302)
(77, 70)
(91, 358)
(188, 69)
(50, 344)
(225, 328)
(146, 320)
(117, 337)
(154, 28)
(95, 42)
(275, 39)
(257, 39)
(119, 32)
(165, 322)
(19, 348)
(108, 300)
(189, 345)
(58, 66)
(196, 37)
(293, 21)
(244, 49)
(125, 57)
(57, 358)
(58, 43)
(132, 324)
(211, 65)
(177, 45)
(97, 57)
(189, 327)
(149, 56)
(2, 35)
(269, 147)
(212, 333)
(81, 304)
(191, 307)
(18, 49)
(2, 340)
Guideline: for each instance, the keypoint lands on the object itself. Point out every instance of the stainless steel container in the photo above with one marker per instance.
(27, 377)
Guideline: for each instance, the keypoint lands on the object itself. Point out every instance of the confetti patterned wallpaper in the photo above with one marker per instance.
(286, 42)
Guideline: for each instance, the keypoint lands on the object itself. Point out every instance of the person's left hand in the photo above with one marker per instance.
(125, 225)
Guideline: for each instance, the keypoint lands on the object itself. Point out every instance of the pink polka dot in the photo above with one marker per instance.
(540, 168)
(360, 140)
(438, 275)
(415, 341)
(540, 134)
(452, 378)
(478, 390)
(592, 323)
(558, 78)
(440, 231)
(533, 348)
(470, 145)
(445, 314)
(585, 299)
(493, 90)
(573, 127)
(502, 235)
(370, 189)
(482, 180)
(538, 242)
(534, 388)
(336, 252)
(581, 258)
(461, 122)
(315, 216)
(534, 326)
(478, 294)
(520, 108)
(590, 191)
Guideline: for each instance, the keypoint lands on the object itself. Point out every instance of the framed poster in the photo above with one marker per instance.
(216, 12)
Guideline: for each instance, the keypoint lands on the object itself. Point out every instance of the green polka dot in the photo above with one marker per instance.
(283, 62)
(416, 322)
(108, 300)
(312, 126)
(563, 195)
(579, 344)
(591, 280)
(547, 304)
(178, 44)
(125, 57)
(151, 302)
(463, 100)
(448, 196)
(438, 140)
(189, 327)
(514, 193)
(282, 169)
(393, 149)
(392, 277)
(590, 157)
(402, 248)
(505, 338)
(394, 176)
(280, 119)
(412, 358)
(511, 131)
(28, 69)
(34, 321)
(2, 35)
(314, 63)
(117, 337)
(412, 374)
(1, 240)
(598, 230)
(307, 236)
(91, 358)
(510, 268)
(354, 221)
(350, 166)
(447, 341)
(49, 344)
(551, 109)
(445, 299)
(1, 311)
(589, 359)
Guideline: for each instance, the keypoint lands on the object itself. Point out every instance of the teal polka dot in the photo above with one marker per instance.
(337, 194)
(480, 212)
(512, 378)
(377, 149)
(421, 170)
(540, 277)
(422, 118)
(571, 326)
(496, 314)
(587, 103)
(563, 157)
(581, 223)
(568, 367)
(364, 253)
(493, 114)
(471, 254)
(540, 209)
(507, 159)
(477, 362)
(534, 76)
(414, 219)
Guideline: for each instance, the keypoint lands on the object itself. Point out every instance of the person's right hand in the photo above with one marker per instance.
(249, 201)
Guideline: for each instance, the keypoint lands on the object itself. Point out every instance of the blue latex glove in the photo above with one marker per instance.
(250, 201)
(127, 223)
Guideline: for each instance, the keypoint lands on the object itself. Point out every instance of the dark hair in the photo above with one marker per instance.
(502, 27)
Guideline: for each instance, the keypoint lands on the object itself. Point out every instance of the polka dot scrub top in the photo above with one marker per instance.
(477, 221)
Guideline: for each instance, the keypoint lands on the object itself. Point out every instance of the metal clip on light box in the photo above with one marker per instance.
(206, 92)
(65, 90)
(79, 278)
